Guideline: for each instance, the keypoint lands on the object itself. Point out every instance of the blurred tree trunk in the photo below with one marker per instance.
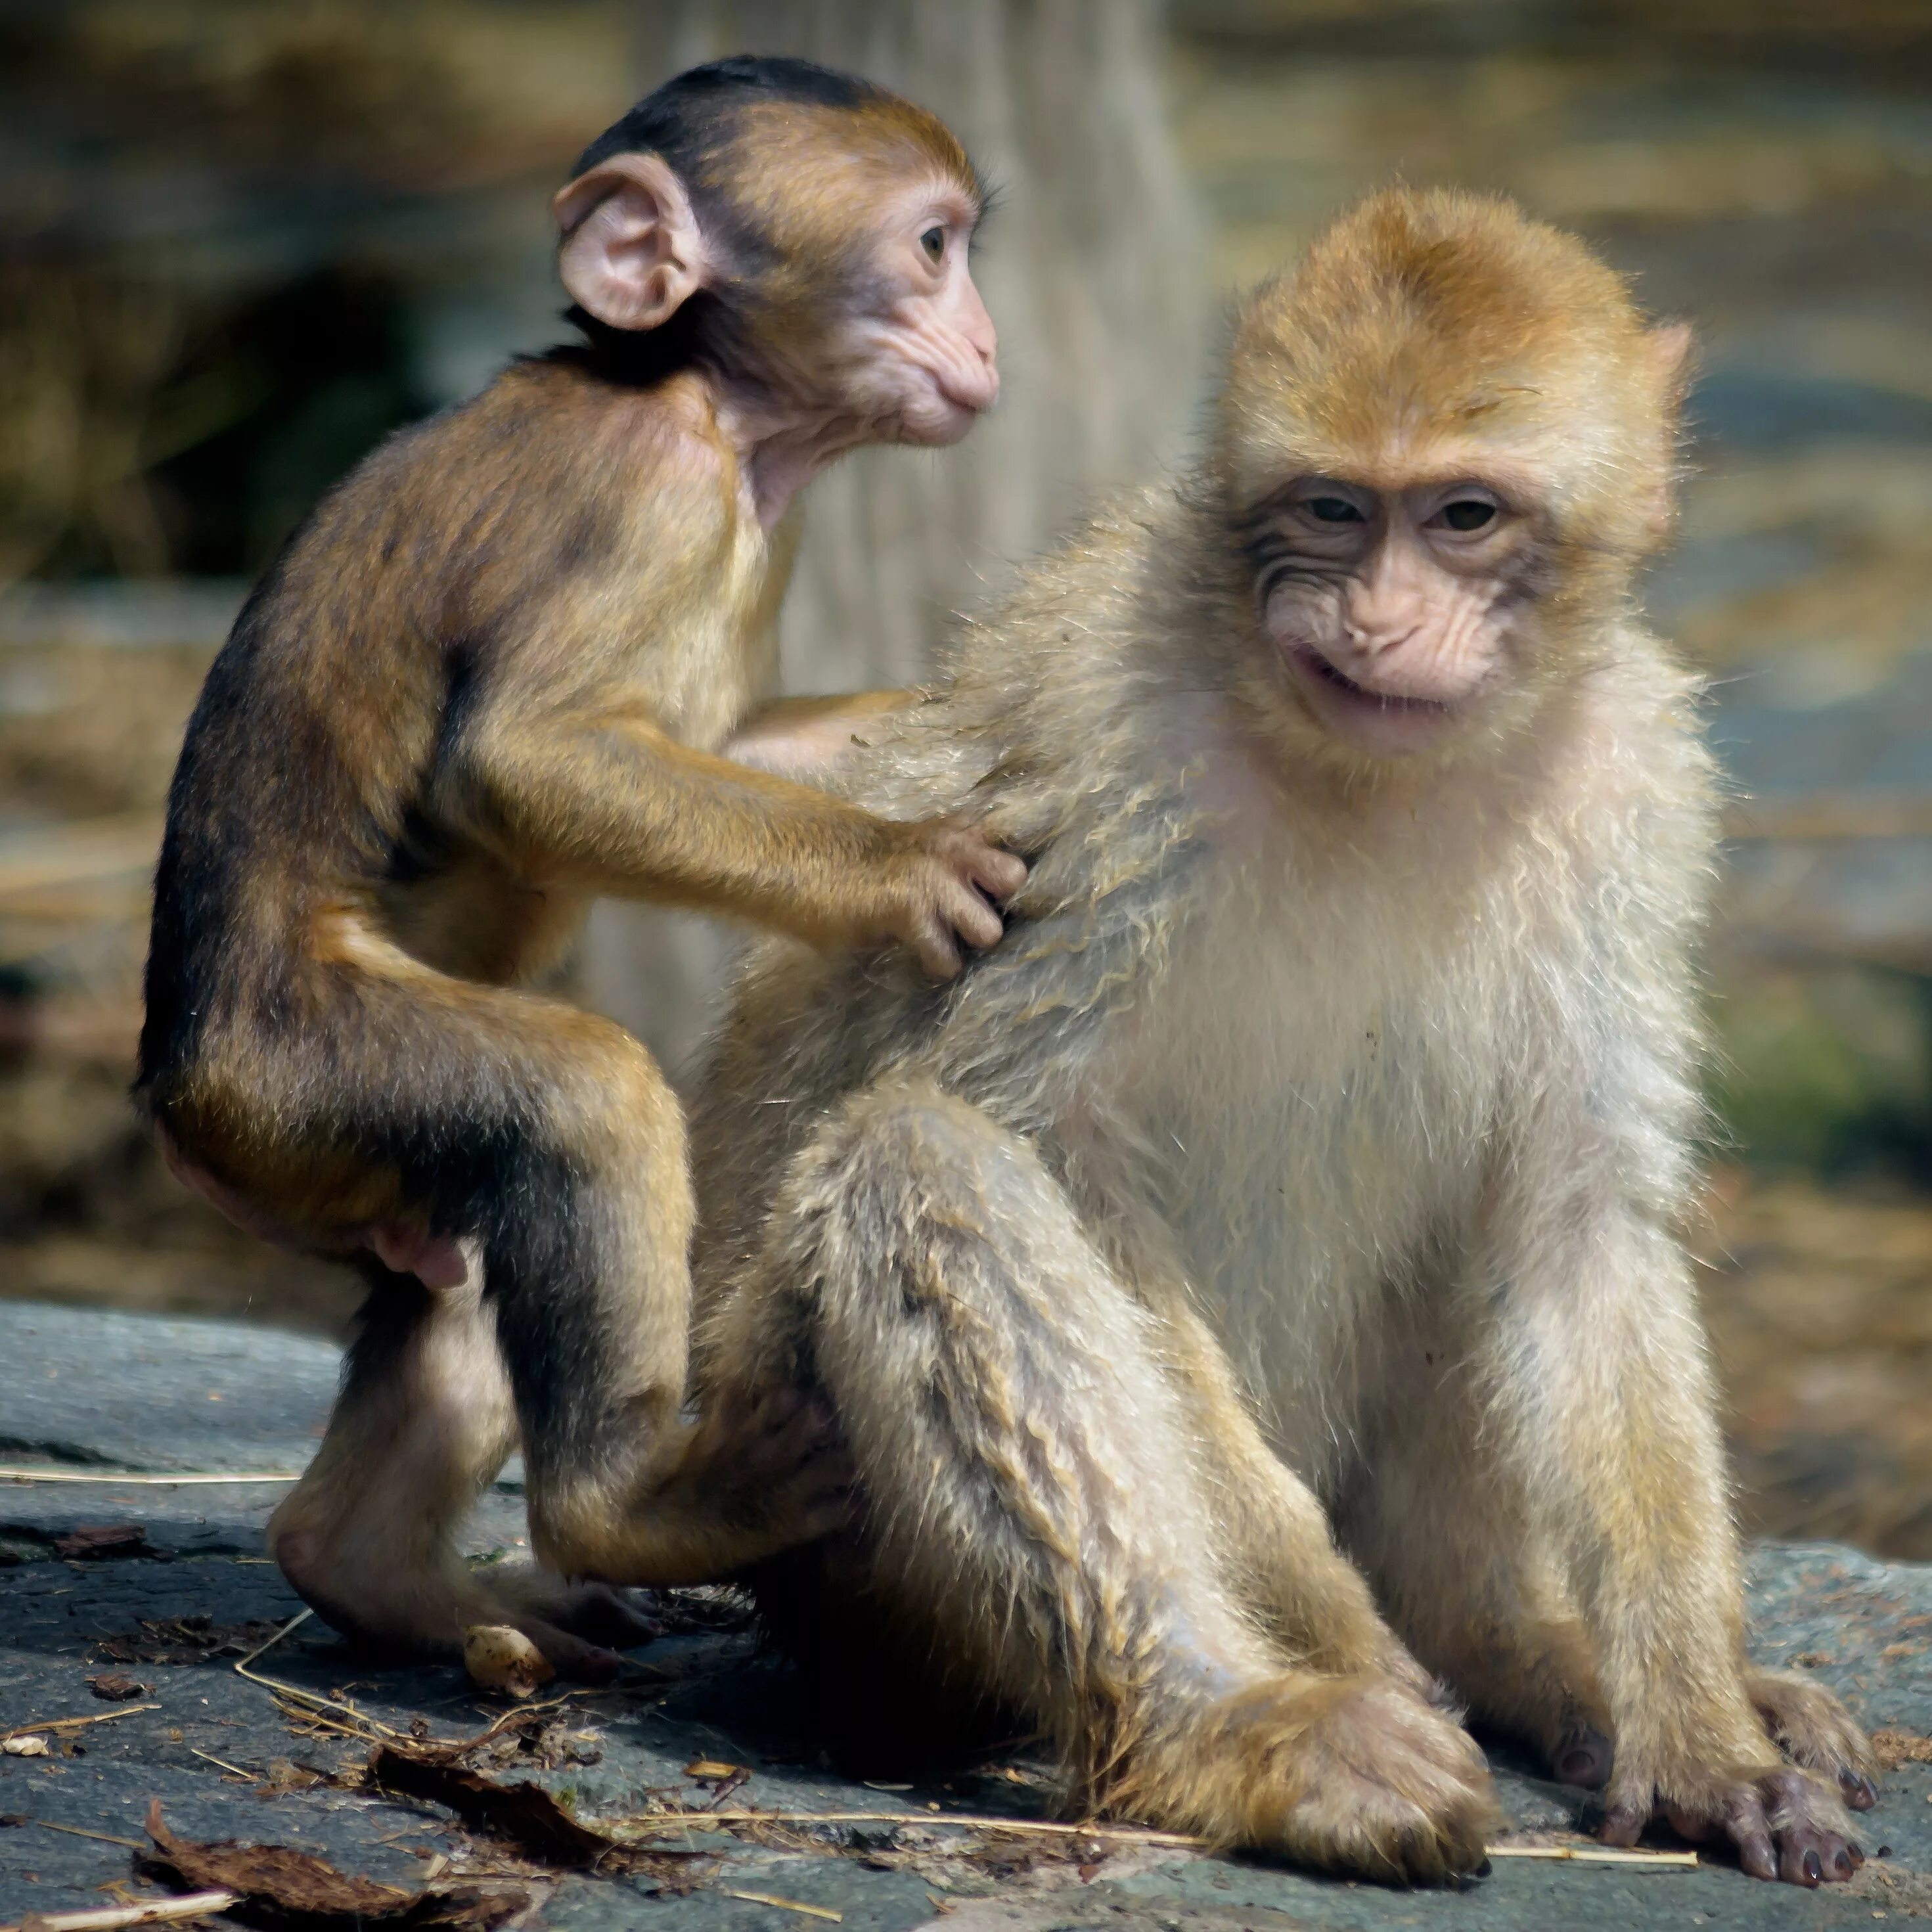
(1093, 268)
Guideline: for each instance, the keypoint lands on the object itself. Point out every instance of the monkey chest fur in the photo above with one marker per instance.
(1313, 1081)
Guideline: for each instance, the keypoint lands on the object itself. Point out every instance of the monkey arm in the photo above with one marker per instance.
(1602, 1396)
(808, 738)
(608, 799)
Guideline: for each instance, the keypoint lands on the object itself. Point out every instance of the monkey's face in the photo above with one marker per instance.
(1443, 446)
(910, 353)
(836, 244)
(1398, 616)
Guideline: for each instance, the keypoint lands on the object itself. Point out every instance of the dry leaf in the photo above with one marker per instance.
(295, 1891)
(185, 1640)
(711, 1767)
(116, 1687)
(501, 1659)
(26, 1746)
(104, 1539)
(523, 1813)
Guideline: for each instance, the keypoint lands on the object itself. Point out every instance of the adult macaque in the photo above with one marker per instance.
(1250, 1294)
(487, 682)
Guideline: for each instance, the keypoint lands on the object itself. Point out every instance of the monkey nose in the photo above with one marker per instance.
(1373, 640)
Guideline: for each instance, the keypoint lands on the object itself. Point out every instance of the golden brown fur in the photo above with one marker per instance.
(1251, 1294)
(490, 678)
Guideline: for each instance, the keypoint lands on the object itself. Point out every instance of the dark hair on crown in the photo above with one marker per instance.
(689, 118)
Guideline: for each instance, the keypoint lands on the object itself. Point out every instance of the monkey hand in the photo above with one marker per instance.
(1784, 1823)
(947, 881)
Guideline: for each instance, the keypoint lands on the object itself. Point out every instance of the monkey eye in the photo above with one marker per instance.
(1467, 513)
(1334, 510)
(933, 242)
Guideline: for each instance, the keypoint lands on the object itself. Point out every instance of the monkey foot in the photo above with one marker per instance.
(424, 1612)
(1808, 1724)
(1359, 1776)
(579, 1626)
(762, 1471)
(1786, 1825)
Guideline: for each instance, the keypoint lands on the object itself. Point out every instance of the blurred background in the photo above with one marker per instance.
(240, 240)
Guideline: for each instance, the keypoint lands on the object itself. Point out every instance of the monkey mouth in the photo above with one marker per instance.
(1382, 721)
(1311, 663)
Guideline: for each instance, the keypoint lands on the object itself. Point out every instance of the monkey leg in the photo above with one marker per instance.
(543, 1146)
(1444, 1533)
(1278, 1549)
(1031, 1512)
(584, 1219)
(425, 1421)
(1597, 1396)
(1475, 1585)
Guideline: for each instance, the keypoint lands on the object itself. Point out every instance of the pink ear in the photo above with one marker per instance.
(1670, 345)
(631, 253)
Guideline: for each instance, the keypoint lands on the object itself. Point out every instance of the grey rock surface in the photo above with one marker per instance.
(83, 1390)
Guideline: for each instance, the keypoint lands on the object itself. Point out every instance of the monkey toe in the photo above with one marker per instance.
(1814, 1842)
(570, 1657)
(1786, 1826)
(1813, 1729)
(576, 1618)
(1583, 1758)
(604, 1614)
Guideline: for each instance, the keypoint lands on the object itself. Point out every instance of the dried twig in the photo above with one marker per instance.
(1135, 1834)
(150, 1912)
(76, 1832)
(74, 1723)
(311, 1701)
(252, 1776)
(10, 1473)
(1594, 1854)
(787, 1904)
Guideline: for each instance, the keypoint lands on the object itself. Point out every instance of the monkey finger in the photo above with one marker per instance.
(972, 919)
(1747, 1829)
(934, 948)
(1002, 873)
(1858, 1790)
(1692, 1825)
(1625, 1820)
(1813, 1845)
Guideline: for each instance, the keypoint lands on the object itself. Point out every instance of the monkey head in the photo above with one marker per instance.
(811, 231)
(1442, 447)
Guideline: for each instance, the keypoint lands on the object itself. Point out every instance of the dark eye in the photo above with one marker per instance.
(1334, 510)
(1469, 515)
(933, 242)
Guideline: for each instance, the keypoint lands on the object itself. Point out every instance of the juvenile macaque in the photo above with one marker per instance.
(1250, 1295)
(487, 681)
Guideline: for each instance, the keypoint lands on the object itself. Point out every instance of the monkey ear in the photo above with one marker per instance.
(1670, 345)
(632, 253)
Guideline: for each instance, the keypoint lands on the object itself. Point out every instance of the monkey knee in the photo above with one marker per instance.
(907, 1152)
(609, 1106)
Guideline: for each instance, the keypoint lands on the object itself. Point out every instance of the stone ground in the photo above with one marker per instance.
(96, 1390)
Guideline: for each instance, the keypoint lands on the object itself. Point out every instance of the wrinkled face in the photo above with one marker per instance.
(912, 352)
(1398, 614)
